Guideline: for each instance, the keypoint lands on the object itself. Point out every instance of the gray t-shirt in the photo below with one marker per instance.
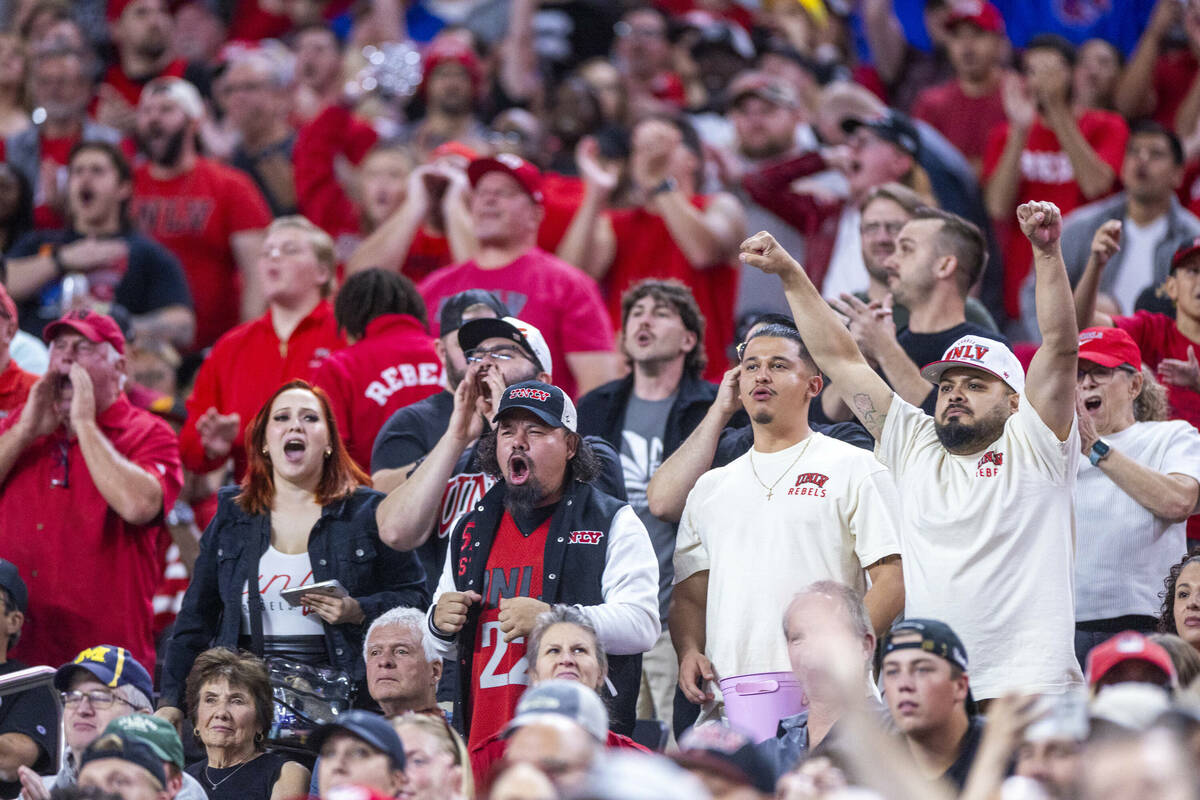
(641, 454)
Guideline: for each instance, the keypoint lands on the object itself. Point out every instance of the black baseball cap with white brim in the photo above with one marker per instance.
(981, 353)
(548, 403)
(476, 331)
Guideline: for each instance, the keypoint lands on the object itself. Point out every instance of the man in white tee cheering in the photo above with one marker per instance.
(987, 522)
(798, 507)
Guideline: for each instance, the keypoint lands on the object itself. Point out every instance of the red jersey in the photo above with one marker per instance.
(645, 249)
(1174, 72)
(90, 573)
(1047, 174)
(14, 387)
(194, 215)
(965, 121)
(498, 668)
(547, 292)
(245, 367)
(392, 366)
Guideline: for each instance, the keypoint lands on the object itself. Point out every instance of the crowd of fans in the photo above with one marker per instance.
(454, 399)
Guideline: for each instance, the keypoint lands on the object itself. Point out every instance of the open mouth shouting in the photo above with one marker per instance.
(643, 338)
(519, 467)
(294, 448)
(1092, 404)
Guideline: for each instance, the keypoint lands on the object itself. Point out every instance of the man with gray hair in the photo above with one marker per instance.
(85, 478)
(403, 667)
(825, 617)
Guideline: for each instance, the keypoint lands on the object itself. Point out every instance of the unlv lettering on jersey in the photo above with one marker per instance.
(500, 583)
(402, 376)
(173, 216)
(462, 492)
(586, 537)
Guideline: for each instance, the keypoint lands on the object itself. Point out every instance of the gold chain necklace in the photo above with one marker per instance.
(771, 489)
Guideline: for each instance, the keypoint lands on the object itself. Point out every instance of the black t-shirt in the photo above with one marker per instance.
(925, 348)
(957, 774)
(250, 780)
(151, 279)
(35, 714)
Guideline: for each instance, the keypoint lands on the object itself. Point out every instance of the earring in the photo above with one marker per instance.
(328, 452)
(264, 450)
(196, 732)
(258, 737)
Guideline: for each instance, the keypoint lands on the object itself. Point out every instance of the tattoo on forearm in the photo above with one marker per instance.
(865, 409)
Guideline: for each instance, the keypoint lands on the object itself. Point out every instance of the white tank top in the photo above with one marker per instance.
(278, 571)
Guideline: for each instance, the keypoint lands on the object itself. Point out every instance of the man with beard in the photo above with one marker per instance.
(936, 259)
(121, 266)
(450, 86)
(84, 481)
(141, 31)
(798, 507)
(209, 215)
(544, 534)
(987, 481)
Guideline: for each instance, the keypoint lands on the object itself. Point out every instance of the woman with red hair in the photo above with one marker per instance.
(304, 514)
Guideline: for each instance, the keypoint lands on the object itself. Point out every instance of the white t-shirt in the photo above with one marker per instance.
(829, 517)
(1137, 263)
(989, 545)
(1124, 551)
(279, 571)
(847, 272)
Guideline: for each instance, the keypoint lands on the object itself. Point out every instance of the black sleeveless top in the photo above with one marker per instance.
(250, 780)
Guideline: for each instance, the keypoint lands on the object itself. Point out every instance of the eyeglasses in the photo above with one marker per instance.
(504, 353)
(99, 698)
(1099, 374)
(892, 229)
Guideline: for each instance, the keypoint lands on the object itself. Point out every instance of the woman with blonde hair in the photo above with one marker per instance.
(436, 762)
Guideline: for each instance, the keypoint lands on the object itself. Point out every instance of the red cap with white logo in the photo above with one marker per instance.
(524, 173)
(979, 352)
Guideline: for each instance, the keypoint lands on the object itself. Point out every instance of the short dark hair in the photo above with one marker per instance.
(120, 164)
(679, 297)
(372, 293)
(243, 670)
(1148, 127)
(584, 466)
(899, 194)
(789, 332)
(1052, 41)
(963, 240)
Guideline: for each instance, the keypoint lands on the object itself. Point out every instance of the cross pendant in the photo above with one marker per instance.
(769, 493)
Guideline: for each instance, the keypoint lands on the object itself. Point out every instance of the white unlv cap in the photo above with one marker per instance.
(979, 352)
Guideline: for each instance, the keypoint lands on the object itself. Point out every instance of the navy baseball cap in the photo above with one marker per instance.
(116, 745)
(10, 579)
(936, 638)
(892, 127)
(450, 318)
(371, 728)
(548, 403)
(111, 665)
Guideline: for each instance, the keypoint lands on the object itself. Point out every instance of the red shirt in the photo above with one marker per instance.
(547, 292)
(645, 249)
(498, 669)
(90, 573)
(130, 89)
(245, 367)
(392, 366)
(194, 215)
(14, 387)
(562, 196)
(1174, 72)
(965, 121)
(1158, 337)
(1047, 174)
(490, 753)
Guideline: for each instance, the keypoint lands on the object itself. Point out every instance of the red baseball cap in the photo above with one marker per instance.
(116, 8)
(982, 15)
(1185, 250)
(524, 173)
(1109, 347)
(1127, 646)
(90, 325)
(445, 49)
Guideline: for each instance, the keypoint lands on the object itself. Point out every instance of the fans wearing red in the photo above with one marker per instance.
(250, 362)
(548, 293)
(14, 381)
(1047, 152)
(141, 31)
(209, 215)
(390, 363)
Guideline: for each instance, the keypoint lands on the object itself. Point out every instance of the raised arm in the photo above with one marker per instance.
(1135, 96)
(669, 486)
(1105, 243)
(1000, 187)
(1050, 381)
(589, 242)
(387, 246)
(707, 238)
(827, 339)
